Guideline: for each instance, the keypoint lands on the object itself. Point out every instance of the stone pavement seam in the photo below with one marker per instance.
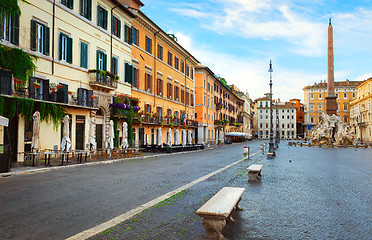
(101, 227)
(41, 170)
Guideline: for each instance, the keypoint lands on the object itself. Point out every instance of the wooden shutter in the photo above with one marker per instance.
(130, 74)
(90, 99)
(104, 61)
(119, 28)
(80, 96)
(113, 29)
(65, 94)
(31, 88)
(14, 38)
(130, 35)
(83, 55)
(125, 33)
(89, 9)
(82, 13)
(69, 50)
(98, 51)
(33, 35)
(46, 89)
(46, 40)
(100, 16)
(104, 19)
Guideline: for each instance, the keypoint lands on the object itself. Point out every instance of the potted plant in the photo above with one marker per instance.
(168, 149)
(36, 85)
(219, 142)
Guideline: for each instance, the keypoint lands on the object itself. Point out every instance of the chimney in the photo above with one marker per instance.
(278, 100)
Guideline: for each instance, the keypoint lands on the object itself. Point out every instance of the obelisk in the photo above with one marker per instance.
(331, 103)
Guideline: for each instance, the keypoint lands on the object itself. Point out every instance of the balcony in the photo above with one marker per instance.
(103, 80)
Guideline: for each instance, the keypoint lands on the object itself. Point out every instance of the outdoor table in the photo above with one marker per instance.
(47, 157)
(33, 154)
(63, 156)
(80, 155)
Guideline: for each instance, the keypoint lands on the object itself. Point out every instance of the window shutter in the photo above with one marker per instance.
(82, 13)
(90, 99)
(113, 25)
(100, 16)
(60, 46)
(71, 4)
(104, 19)
(31, 88)
(33, 35)
(119, 29)
(104, 62)
(83, 57)
(69, 50)
(89, 9)
(130, 74)
(80, 96)
(14, 38)
(98, 51)
(130, 35)
(65, 94)
(46, 90)
(126, 75)
(46, 40)
(125, 33)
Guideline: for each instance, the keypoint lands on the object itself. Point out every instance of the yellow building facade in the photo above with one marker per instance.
(163, 79)
(82, 48)
(314, 101)
(361, 112)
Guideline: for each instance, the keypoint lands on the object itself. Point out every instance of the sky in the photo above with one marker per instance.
(236, 39)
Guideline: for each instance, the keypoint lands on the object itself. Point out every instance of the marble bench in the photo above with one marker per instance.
(254, 172)
(217, 210)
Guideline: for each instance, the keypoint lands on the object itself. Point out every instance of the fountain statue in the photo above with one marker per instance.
(332, 130)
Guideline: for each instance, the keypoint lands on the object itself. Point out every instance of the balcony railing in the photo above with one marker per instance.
(107, 81)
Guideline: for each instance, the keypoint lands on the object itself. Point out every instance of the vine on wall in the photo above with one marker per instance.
(14, 106)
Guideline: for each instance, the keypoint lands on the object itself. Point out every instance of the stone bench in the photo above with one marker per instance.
(218, 210)
(254, 172)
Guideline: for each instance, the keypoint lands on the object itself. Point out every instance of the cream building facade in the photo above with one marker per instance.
(361, 111)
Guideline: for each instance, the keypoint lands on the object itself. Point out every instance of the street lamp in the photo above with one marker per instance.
(271, 152)
(277, 138)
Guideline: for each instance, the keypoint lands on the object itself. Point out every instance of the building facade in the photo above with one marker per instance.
(300, 115)
(361, 112)
(205, 107)
(314, 101)
(163, 79)
(82, 48)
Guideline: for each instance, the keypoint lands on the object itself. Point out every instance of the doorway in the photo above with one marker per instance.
(141, 137)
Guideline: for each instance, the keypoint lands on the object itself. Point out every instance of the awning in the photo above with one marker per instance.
(4, 121)
(238, 134)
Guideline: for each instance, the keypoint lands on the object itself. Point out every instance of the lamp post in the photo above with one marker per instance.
(271, 152)
(277, 129)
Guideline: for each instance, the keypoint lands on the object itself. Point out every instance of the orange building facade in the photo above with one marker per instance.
(162, 77)
(300, 116)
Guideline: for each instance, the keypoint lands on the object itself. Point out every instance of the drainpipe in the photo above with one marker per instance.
(54, 16)
(112, 9)
(155, 73)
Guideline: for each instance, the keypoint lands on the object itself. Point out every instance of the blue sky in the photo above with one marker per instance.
(237, 38)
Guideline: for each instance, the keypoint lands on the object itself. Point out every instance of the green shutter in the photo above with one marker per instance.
(126, 66)
(104, 19)
(125, 33)
(71, 4)
(69, 50)
(14, 38)
(89, 9)
(119, 28)
(130, 35)
(104, 62)
(33, 35)
(98, 51)
(130, 74)
(46, 40)
(60, 46)
(83, 55)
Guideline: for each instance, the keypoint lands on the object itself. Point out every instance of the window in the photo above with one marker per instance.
(148, 42)
(9, 28)
(182, 66)
(345, 118)
(68, 3)
(192, 101)
(209, 87)
(160, 52)
(128, 38)
(160, 87)
(65, 48)
(311, 95)
(86, 9)
(159, 113)
(102, 17)
(188, 99)
(192, 74)
(39, 37)
(170, 58)
(116, 26)
(182, 95)
(101, 60)
(320, 96)
(345, 95)
(135, 34)
(148, 83)
(176, 63)
(353, 95)
(83, 55)
(41, 91)
(282, 116)
(176, 93)
(312, 119)
(169, 90)
(188, 70)
(84, 97)
(114, 65)
(135, 82)
(345, 106)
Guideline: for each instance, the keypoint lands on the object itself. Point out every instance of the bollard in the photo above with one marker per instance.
(246, 151)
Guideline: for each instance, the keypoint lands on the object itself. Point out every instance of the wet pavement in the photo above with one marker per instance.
(305, 193)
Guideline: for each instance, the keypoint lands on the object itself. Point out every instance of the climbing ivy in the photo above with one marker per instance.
(9, 7)
(14, 106)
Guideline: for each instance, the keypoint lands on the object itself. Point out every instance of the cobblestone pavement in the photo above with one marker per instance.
(305, 193)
